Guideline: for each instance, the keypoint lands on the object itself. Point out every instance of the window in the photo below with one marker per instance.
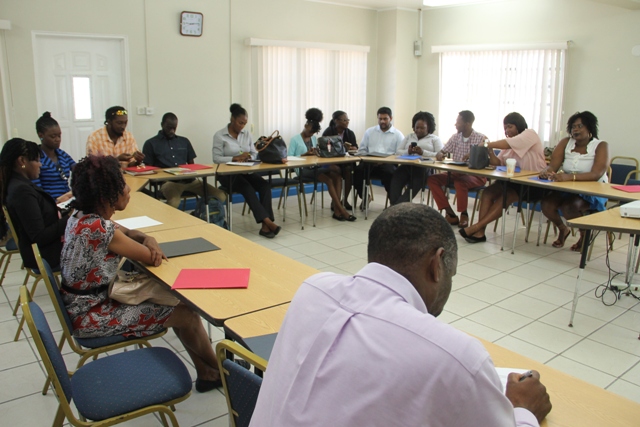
(493, 83)
(82, 98)
(288, 79)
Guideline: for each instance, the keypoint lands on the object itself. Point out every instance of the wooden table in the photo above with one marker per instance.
(274, 278)
(135, 183)
(609, 221)
(141, 204)
(575, 402)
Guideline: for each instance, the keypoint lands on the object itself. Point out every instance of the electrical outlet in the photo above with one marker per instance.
(141, 111)
(150, 111)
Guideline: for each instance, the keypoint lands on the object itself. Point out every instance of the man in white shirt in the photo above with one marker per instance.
(367, 350)
(383, 138)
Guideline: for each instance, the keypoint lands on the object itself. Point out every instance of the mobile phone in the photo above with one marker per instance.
(414, 144)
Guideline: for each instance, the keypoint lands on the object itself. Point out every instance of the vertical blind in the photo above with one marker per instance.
(494, 83)
(289, 80)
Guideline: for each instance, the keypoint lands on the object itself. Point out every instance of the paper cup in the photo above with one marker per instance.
(511, 167)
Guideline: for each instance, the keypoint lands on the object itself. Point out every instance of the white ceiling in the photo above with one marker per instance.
(417, 4)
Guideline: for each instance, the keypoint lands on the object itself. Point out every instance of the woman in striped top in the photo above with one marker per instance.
(56, 164)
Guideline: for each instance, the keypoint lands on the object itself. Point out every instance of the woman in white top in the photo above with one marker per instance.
(421, 142)
(579, 157)
(234, 143)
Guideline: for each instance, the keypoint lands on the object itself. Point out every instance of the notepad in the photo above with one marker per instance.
(195, 167)
(141, 170)
(504, 169)
(261, 345)
(295, 158)
(242, 163)
(627, 188)
(503, 374)
(377, 154)
(212, 278)
(537, 178)
(187, 247)
(180, 171)
(410, 157)
(137, 222)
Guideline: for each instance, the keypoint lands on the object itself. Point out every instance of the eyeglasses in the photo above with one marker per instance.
(120, 113)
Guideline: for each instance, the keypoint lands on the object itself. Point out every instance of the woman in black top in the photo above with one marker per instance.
(33, 212)
(339, 125)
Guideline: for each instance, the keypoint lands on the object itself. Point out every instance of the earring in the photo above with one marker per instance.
(23, 166)
(41, 139)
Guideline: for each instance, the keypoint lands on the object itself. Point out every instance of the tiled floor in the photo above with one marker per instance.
(520, 301)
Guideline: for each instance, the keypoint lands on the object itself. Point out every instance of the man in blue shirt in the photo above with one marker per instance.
(384, 139)
(168, 150)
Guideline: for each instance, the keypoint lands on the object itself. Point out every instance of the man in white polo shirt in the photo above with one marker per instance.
(383, 138)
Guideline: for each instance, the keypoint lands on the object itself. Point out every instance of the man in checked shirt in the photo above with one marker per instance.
(459, 146)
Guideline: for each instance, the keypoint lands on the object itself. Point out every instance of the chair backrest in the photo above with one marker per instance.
(54, 293)
(47, 346)
(241, 386)
(631, 181)
(620, 168)
(11, 227)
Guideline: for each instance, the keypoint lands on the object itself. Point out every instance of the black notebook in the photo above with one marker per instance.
(187, 247)
(261, 345)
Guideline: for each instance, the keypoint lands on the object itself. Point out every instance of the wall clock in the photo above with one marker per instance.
(191, 24)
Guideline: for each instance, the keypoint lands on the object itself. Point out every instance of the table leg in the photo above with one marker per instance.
(206, 196)
(230, 203)
(631, 256)
(518, 212)
(301, 194)
(365, 190)
(315, 200)
(583, 264)
(504, 214)
(286, 193)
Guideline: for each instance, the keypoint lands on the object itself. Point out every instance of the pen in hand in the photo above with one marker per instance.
(526, 375)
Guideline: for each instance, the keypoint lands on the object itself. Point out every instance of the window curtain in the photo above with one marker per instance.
(289, 80)
(494, 83)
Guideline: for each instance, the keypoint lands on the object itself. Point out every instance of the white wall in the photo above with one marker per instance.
(602, 76)
(196, 78)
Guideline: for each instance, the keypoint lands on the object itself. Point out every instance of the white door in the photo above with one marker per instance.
(77, 79)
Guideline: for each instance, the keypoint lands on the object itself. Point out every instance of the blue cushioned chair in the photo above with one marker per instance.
(85, 347)
(112, 389)
(241, 386)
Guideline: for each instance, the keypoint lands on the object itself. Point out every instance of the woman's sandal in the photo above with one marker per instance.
(561, 239)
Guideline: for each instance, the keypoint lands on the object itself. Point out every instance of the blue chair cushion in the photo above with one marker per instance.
(243, 387)
(128, 381)
(98, 342)
(11, 245)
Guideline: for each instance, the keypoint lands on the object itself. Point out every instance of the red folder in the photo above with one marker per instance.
(212, 278)
(627, 188)
(196, 167)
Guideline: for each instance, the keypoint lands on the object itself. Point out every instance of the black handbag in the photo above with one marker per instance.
(272, 149)
(331, 146)
(478, 157)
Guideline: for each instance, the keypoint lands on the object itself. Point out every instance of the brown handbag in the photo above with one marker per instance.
(134, 287)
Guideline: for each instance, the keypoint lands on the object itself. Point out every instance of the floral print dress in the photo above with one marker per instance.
(87, 269)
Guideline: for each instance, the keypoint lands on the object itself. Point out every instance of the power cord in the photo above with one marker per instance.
(617, 291)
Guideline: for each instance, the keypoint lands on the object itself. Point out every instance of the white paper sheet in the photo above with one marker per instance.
(295, 158)
(137, 222)
(503, 373)
(241, 163)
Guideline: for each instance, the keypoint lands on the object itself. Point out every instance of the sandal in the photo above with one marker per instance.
(561, 239)
(339, 217)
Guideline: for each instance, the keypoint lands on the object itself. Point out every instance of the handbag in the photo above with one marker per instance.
(331, 146)
(134, 287)
(478, 157)
(272, 149)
